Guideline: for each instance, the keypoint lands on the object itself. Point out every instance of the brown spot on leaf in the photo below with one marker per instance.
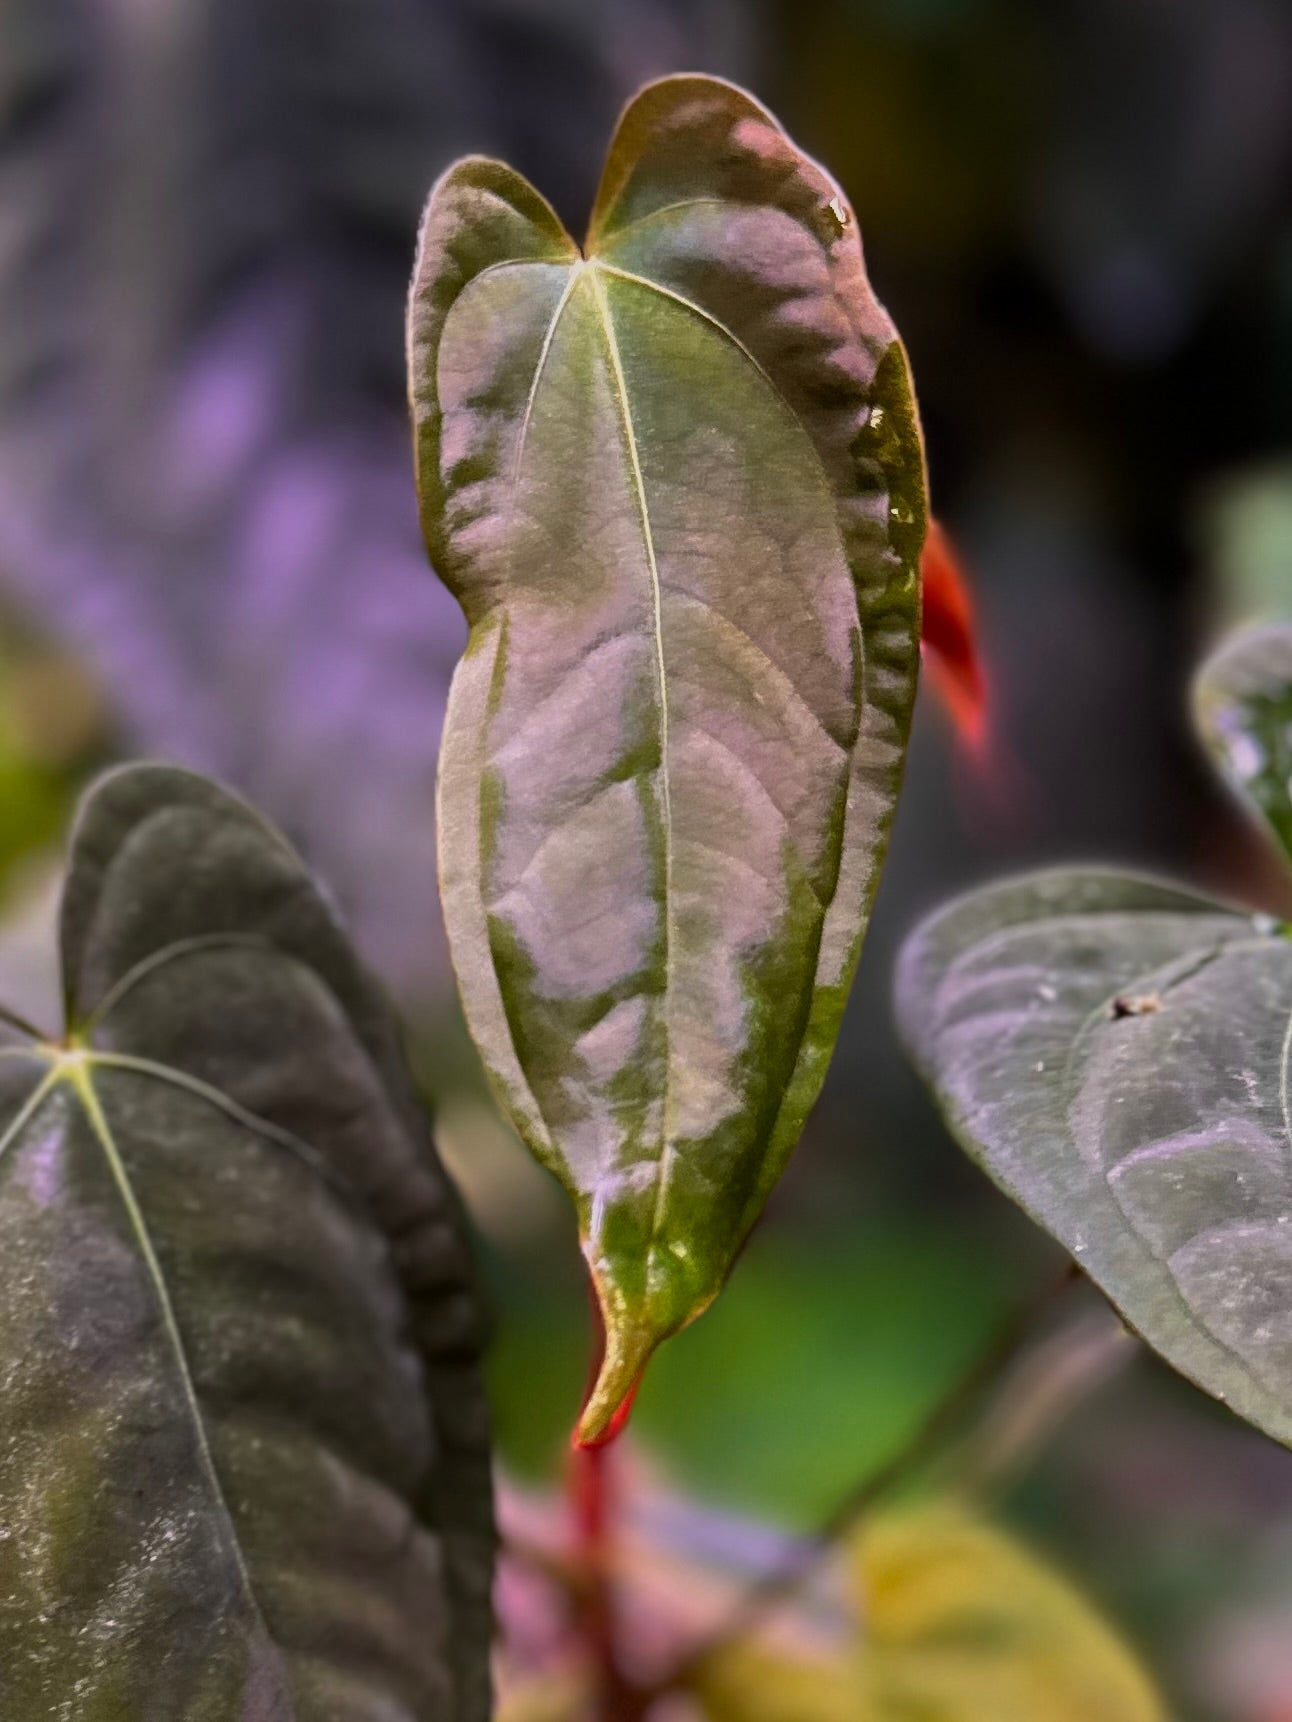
(1136, 1004)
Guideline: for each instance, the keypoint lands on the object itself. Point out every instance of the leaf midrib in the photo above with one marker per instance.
(72, 1069)
(79, 1078)
(594, 269)
(667, 1148)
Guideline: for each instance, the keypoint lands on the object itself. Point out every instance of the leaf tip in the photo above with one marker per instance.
(609, 1405)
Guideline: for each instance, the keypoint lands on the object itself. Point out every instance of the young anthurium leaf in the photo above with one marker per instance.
(244, 1469)
(1115, 1053)
(962, 1624)
(676, 481)
(1243, 700)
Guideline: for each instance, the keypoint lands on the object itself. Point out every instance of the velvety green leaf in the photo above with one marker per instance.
(244, 1454)
(675, 480)
(1244, 708)
(963, 1624)
(1115, 1053)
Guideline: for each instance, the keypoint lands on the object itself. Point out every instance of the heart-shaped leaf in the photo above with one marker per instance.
(1243, 702)
(675, 479)
(244, 1466)
(1115, 1053)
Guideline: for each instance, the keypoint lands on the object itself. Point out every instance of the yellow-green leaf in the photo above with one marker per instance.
(749, 1684)
(963, 1624)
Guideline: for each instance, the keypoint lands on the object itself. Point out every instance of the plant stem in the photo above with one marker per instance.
(594, 1504)
(592, 1489)
(778, 1584)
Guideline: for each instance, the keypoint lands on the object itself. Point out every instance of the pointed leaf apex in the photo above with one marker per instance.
(629, 1348)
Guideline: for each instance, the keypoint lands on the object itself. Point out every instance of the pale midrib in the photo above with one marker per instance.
(544, 352)
(513, 496)
(79, 1079)
(657, 599)
(673, 297)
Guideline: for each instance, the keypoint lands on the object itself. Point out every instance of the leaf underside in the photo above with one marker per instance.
(244, 1464)
(1114, 1052)
(676, 482)
(1117, 1054)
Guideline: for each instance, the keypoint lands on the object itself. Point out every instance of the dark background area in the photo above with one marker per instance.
(1080, 217)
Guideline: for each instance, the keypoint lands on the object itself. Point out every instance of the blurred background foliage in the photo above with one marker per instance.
(1080, 215)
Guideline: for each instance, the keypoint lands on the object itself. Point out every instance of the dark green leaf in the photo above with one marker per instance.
(1115, 1053)
(1244, 707)
(675, 480)
(244, 1458)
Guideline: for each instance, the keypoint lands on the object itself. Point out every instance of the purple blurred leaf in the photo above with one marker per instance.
(207, 215)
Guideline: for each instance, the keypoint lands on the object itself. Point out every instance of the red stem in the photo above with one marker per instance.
(594, 1505)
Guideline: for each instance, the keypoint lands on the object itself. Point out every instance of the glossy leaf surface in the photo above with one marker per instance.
(676, 482)
(244, 1456)
(1115, 1053)
(1244, 707)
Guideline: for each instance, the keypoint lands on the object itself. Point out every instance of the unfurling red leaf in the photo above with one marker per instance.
(675, 479)
(949, 638)
(244, 1468)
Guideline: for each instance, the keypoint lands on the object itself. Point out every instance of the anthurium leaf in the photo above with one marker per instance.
(963, 1624)
(676, 481)
(1115, 1053)
(244, 1469)
(1243, 701)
